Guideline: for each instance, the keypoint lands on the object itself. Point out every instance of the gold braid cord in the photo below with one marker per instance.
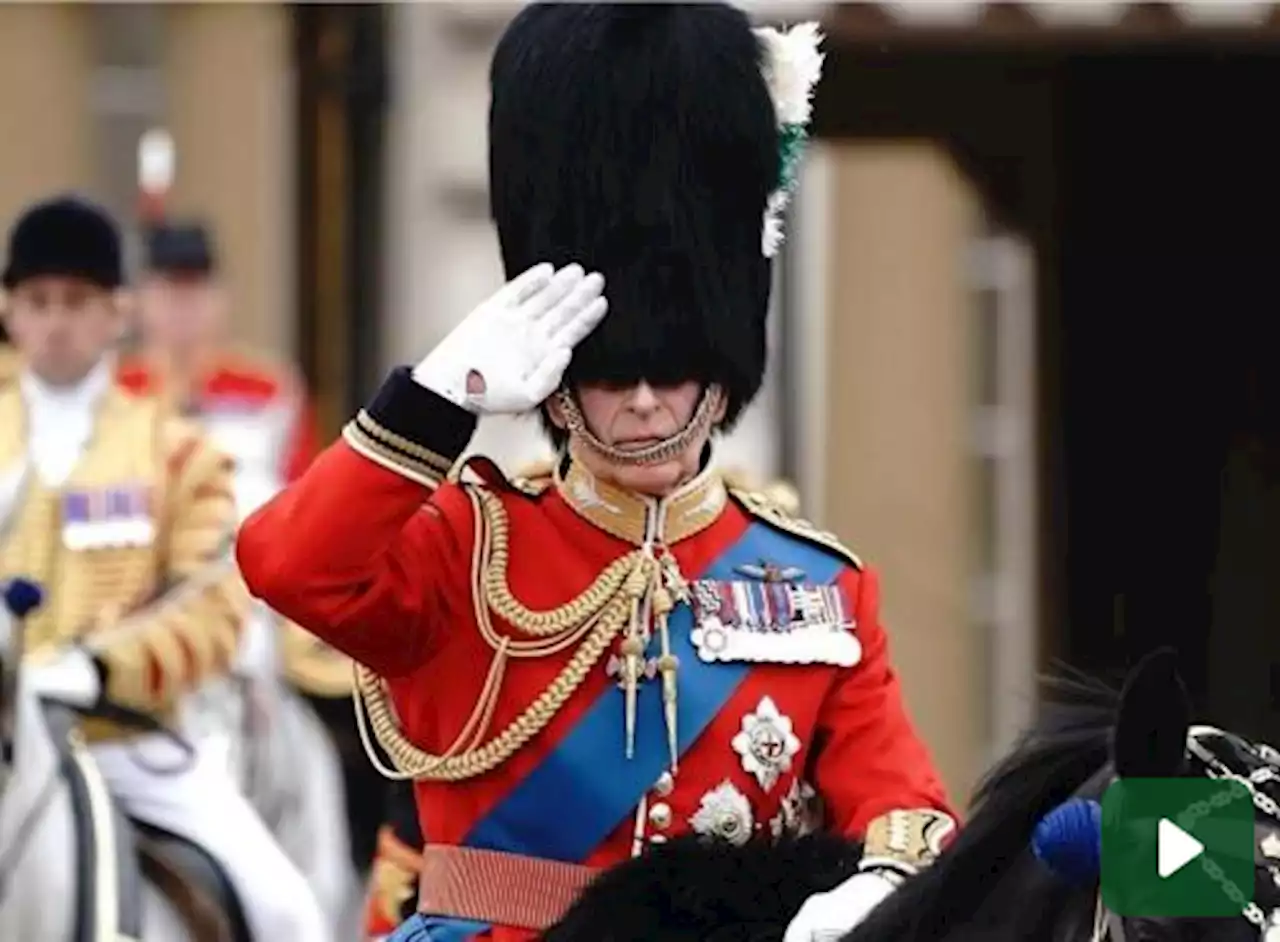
(591, 621)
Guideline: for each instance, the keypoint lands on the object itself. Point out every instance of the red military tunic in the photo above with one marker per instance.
(256, 409)
(373, 551)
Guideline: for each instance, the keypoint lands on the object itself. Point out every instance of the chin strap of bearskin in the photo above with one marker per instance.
(698, 425)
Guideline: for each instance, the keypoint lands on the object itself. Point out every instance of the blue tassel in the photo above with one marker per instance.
(1068, 840)
(22, 596)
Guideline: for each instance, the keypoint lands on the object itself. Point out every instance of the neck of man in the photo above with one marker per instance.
(640, 518)
(83, 390)
(179, 368)
(180, 360)
(61, 418)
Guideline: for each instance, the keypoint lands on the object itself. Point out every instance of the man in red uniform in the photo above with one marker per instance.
(575, 667)
(255, 408)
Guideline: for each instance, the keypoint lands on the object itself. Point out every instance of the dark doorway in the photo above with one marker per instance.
(1169, 190)
(1148, 183)
(342, 60)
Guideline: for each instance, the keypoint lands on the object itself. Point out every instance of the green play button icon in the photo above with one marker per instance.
(1177, 847)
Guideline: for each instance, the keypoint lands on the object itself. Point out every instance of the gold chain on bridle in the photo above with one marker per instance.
(611, 604)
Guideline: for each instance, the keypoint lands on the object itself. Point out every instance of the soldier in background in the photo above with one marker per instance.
(256, 408)
(124, 513)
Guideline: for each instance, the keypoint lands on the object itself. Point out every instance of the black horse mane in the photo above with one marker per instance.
(694, 889)
(987, 870)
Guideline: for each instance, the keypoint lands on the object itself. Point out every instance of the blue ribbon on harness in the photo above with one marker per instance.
(584, 787)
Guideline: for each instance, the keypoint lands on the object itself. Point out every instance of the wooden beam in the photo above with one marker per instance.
(1010, 26)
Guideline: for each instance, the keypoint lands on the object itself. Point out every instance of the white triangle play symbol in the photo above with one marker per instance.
(1175, 848)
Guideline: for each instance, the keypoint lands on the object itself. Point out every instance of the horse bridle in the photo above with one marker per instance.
(1108, 927)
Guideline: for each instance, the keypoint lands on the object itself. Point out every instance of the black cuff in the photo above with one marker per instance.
(411, 428)
(894, 871)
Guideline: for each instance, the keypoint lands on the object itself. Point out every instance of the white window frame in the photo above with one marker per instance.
(1006, 599)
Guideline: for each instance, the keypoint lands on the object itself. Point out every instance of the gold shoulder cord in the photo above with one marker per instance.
(591, 621)
(759, 505)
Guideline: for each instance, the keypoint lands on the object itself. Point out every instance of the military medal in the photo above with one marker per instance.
(773, 617)
(767, 743)
(104, 518)
(616, 668)
(769, 572)
(798, 813)
(724, 812)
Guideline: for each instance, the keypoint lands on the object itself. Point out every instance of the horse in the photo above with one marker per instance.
(276, 746)
(291, 771)
(73, 868)
(1024, 867)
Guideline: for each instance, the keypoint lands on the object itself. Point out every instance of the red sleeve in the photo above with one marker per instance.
(361, 549)
(870, 760)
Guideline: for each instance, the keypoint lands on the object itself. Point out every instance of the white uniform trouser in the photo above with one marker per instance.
(195, 798)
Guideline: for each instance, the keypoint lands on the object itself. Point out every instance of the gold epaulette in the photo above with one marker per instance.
(778, 491)
(535, 477)
(763, 507)
(533, 480)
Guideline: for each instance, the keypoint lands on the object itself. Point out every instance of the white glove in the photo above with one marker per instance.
(826, 917)
(70, 677)
(518, 342)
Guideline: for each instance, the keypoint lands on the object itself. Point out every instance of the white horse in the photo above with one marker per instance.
(69, 869)
(275, 745)
(290, 770)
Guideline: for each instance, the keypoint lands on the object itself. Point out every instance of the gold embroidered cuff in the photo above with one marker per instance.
(411, 430)
(906, 840)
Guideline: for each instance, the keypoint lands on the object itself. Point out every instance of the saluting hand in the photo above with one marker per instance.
(510, 353)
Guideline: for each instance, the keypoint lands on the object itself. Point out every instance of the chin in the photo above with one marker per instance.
(656, 480)
(61, 372)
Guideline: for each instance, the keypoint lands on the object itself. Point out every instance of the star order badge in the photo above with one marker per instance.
(766, 744)
(724, 812)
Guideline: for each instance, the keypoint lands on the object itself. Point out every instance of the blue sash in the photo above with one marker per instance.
(420, 928)
(585, 787)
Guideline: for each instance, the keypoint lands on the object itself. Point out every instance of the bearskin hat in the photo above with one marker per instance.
(65, 236)
(181, 248)
(640, 140)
